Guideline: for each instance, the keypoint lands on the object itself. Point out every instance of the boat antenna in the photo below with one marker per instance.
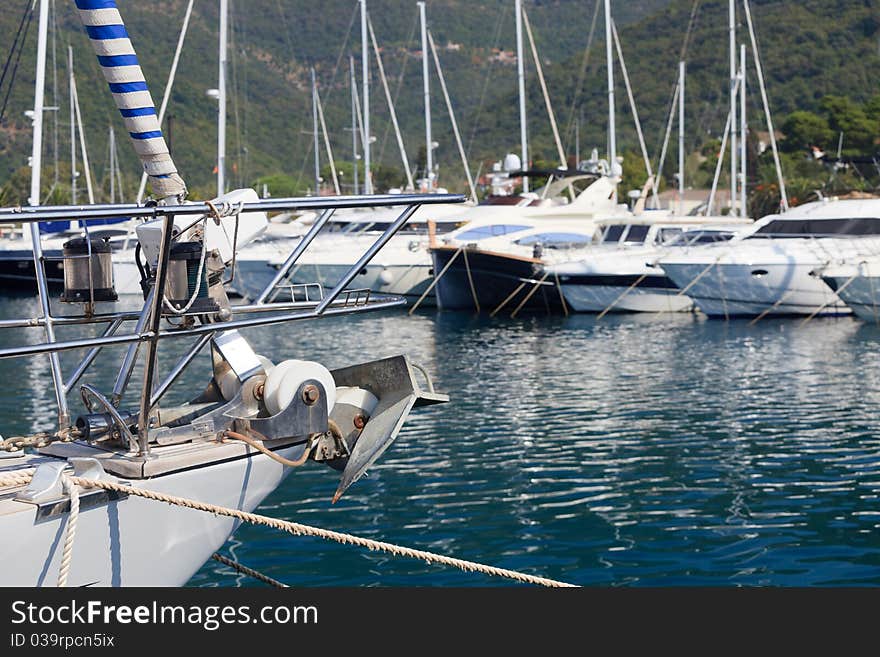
(119, 62)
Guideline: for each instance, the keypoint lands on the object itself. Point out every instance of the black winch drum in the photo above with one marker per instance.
(184, 279)
(78, 262)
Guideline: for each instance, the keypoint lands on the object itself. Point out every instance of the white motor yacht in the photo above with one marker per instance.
(620, 273)
(772, 268)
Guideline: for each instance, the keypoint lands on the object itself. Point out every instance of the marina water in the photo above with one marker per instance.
(632, 450)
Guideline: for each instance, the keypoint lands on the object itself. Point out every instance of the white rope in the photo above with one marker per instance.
(198, 285)
(294, 528)
(298, 529)
(70, 532)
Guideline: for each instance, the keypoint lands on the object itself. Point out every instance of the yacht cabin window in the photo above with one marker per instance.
(636, 234)
(793, 228)
(613, 233)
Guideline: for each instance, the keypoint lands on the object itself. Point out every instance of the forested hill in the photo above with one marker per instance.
(810, 48)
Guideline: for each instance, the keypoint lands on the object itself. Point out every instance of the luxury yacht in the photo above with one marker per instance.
(773, 268)
(620, 272)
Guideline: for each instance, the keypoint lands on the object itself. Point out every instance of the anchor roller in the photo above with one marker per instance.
(88, 271)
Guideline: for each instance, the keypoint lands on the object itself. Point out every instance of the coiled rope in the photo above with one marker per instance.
(298, 529)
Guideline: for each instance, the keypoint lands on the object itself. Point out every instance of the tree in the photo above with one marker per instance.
(804, 129)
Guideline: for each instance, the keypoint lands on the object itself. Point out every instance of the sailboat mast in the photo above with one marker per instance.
(221, 115)
(426, 78)
(112, 165)
(365, 64)
(734, 74)
(315, 134)
(744, 129)
(612, 121)
(354, 125)
(681, 152)
(36, 165)
(72, 126)
(521, 76)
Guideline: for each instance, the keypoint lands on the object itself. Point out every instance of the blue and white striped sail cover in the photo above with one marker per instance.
(123, 73)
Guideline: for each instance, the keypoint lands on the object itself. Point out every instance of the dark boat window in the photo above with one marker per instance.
(692, 237)
(791, 228)
(636, 234)
(496, 230)
(556, 240)
(612, 234)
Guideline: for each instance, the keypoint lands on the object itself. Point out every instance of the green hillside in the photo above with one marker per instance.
(810, 48)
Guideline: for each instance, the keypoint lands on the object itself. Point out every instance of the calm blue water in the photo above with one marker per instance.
(630, 451)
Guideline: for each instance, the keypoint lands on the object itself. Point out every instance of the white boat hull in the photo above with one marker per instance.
(738, 289)
(135, 541)
(598, 298)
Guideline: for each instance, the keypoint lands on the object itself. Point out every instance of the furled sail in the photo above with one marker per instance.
(110, 40)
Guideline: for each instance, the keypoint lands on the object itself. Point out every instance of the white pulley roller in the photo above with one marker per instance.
(357, 397)
(229, 383)
(284, 382)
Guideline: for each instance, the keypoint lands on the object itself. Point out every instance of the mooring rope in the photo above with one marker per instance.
(250, 572)
(298, 529)
(632, 287)
(70, 532)
(436, 280)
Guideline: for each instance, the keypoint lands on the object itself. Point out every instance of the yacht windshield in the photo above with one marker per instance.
(692, 237)
(791, 228)
(483, 232)
(556, 240)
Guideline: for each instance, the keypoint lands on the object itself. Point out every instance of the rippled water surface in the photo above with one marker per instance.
(634, 450)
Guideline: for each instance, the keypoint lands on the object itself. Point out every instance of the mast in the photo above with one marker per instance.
(112, 165)
(744, 129)
(612, 128)
(734, 74)
(221, 115)
(36, 164)
(315, 134)
(521, 76)
(681, 156)
(39, 104)
(426, 80)
(365, 65)
(354, 125)
(72, 126)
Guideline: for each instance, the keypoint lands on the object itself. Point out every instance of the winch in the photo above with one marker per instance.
(187, 286)
(88, 271)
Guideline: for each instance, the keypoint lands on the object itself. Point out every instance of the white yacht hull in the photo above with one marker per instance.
(740, 289)
(861, 294)
(598, 298)
(134, 541)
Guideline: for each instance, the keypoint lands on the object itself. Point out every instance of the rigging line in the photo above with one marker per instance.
(342, 52)
(28, 10)
(582, 76)
(400, 79)
(27, 28)
(475, 122)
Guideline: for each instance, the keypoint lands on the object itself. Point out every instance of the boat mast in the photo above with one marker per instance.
(426, 81)
(354, 124)
(612, 127)
(743, 152)
(315, 134)
(521, 76)
(734, 73)
(221, 115)
(112, 165)
(72, 126)
(681, 157)
(36, 164)
(365, 64)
